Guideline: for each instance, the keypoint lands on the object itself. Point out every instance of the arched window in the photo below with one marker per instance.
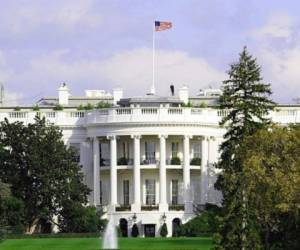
(176, 227)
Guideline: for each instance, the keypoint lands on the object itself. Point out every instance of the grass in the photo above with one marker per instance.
(203, 243)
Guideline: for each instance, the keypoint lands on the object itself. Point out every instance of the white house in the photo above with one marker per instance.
(148, 159)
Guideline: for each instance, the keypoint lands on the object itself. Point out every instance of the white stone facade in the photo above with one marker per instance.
(142, 161)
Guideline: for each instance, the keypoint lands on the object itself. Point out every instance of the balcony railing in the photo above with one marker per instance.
(122, 208)
(149, 207)
(177, 207)
(149, 162)
(140, 114)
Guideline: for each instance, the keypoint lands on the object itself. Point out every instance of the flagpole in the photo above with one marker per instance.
(152, 91)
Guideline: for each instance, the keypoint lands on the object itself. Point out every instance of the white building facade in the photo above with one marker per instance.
(148, 160)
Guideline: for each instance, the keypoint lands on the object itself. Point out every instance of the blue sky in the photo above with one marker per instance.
(102, 44)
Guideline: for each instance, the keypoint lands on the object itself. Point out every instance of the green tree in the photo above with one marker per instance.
(40, 169)
(164, 230)
(246, 99)
(272, 177)
(135, 231)
(75, 218)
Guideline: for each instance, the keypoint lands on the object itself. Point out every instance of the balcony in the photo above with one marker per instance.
(161, 114)
(139, 115)
(123, 208)
(177, 207)
(149, 207)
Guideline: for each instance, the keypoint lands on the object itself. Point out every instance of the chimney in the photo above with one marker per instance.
(172, 90)
(63, 94)
(183, 94)
(117, 95)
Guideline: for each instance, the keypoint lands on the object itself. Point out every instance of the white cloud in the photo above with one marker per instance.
(280, 60)
(130, 69)
(20, 18)
(278, 25)
(12, 98)
(134, 69)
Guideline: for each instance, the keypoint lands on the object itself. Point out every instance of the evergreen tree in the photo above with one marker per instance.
(135, 231)
(164, 230)
(245, 98)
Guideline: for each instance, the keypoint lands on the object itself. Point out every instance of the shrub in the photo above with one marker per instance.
(36, 108)
(58, 107)
(202, 105)
(204, 224)
(187, 105)
(80, 107)
(196, 161)
(12, 213)
(135, 230)
(122, 161)
(76, 218)
(164, 230)
(175, 161)
(89, 106)
(102, 105)
(17, 108)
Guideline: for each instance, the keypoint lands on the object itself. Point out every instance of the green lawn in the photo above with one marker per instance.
(94, 244)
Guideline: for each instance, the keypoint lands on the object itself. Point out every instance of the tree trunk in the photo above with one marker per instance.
(31, 227)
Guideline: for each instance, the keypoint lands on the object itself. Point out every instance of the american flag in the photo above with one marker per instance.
(160, 26)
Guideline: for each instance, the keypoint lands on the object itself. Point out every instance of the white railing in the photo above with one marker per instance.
(17, 115)
(140, 115)
(149, 111)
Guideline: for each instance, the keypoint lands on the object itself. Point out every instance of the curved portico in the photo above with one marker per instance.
(135, 157)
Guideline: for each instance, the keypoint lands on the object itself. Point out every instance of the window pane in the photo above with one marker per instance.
(197, 150)
(174, 192)
(150, 152)
(126, 192)
(174, 149)
(150, 192)
(101, 197)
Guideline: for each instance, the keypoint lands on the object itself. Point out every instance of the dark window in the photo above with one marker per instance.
(126, 192)
(174, 192)
(150, 192)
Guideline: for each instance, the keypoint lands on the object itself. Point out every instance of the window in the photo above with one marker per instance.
(125, 149)
(174, 149)
(76, 148)
(150, 192)
(150, 152)
(104, 154)
(196, 150)
(126, 192)
(174, 192)
(101, 195)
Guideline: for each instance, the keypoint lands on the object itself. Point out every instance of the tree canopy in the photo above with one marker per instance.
(40, 169)
(272, 184)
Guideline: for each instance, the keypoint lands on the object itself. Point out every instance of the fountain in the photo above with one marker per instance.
(110, 240)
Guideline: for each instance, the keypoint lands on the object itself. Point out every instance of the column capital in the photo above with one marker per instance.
(111, 137)
(135, 136)
(162, 136)
(187, 136)
(208, 138)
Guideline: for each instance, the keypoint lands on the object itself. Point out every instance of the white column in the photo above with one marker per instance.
(113, 172)
(163, 205)
(204, 174)
(96, 172)
(188, 206)
(136, 206)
